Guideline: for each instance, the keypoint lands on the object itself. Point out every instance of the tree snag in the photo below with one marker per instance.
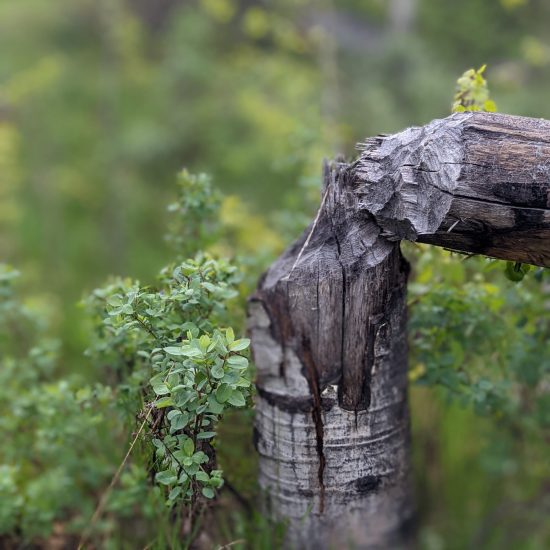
(328, 320)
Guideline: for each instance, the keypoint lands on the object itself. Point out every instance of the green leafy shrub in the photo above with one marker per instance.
(189, 367)
(172, 366)
(54, 460)
(480, 343)
(194, 219)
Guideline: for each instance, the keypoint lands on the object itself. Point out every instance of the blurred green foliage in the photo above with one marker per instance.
(481, 342)
(472, 93)
(103, 101)
(49, 469)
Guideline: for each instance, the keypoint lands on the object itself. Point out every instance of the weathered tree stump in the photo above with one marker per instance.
(328, 321)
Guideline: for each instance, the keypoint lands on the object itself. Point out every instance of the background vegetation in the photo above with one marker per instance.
(102, 102)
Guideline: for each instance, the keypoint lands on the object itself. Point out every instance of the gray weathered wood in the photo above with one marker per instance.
(328, 321)
(329, 340)
(473, 182)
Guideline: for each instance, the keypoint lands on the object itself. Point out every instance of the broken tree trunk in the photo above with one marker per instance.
(475, 182)
(330, 346)
(328, 321)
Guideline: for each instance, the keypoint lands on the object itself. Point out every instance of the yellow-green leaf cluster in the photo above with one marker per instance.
(472, 92)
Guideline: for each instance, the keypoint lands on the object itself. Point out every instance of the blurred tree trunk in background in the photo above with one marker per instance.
(402, 15)
(110, 16)
(155, 14)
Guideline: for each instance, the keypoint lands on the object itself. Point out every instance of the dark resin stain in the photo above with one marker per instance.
(368, 484)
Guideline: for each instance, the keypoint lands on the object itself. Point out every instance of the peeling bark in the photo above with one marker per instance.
(329, 339)
(328, 320)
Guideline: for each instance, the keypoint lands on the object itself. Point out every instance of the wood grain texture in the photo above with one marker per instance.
(473, 182)
(328, 320)
(329, 340)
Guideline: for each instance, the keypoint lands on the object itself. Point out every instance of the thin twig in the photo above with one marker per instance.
(230, 544)
(103, 499)
(243, 501)
(306, 243)
(453, 226)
